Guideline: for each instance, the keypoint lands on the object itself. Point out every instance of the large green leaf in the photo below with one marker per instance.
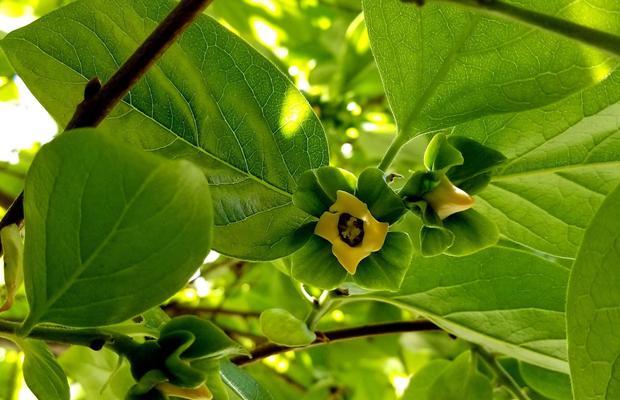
(44, 377)
(461, 381)
(112, 231)
(442, 65)
(508, 300)
(211, 99)
(593, 307)
(423, 380)
(562, 161)
(100, 373)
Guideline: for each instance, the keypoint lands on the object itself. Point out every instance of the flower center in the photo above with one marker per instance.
(350, 229)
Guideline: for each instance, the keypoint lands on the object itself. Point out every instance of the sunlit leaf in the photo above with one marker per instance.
(101, 243)
(211, 99)
(593, 307)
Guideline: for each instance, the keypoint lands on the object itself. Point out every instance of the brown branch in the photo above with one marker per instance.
(174, 309)
(339, 335)
(100, 100)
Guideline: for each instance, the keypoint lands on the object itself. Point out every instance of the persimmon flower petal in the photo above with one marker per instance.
(447, 199)
(374, 232)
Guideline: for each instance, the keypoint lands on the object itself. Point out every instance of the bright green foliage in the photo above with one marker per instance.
(440, 155)
(441, 65)
(101, 374)
(212, 99)
(562, 161)
(461, 381)
(282, 327)
(42, 374)
(110, 232)
(551, 384)
(593, 307)
(421, 383)
(524, 120)
(13, 248)
(489, 298)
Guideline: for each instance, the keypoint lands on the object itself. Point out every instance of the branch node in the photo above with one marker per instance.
(92, 88)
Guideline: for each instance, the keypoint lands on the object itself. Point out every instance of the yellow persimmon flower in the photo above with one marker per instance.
(447, 199)
(352, 230)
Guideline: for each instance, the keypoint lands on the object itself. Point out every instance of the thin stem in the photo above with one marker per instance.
(323, 338)
(392, 151)
(93, 338)
(593, 37)
(100, 100)
(503, 377)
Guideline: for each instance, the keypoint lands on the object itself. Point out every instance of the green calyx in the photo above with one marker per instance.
(456, 168)
(317, 262)
(175, 363)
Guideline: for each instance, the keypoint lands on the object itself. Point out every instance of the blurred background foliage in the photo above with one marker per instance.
(323, 46)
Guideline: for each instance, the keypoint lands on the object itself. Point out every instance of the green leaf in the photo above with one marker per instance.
(423, 380)
(461, 66)
(242, 383)
(441, 154)
(493, 298)
(593, 307)
(472, 232)
(551, 384)
(357, 71)
(283, 328)
(6, 70)
(211, 99)
(209, 341)
(10, 375)
(386, 268)
(100, 373)
(420, 183)
(563, 159)
(316, 265)
(461, 381)
(477, 160)
(384, 204)
(112, 231)
(434, 240)
(317, 188)
(13, 263)
(44, 377)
